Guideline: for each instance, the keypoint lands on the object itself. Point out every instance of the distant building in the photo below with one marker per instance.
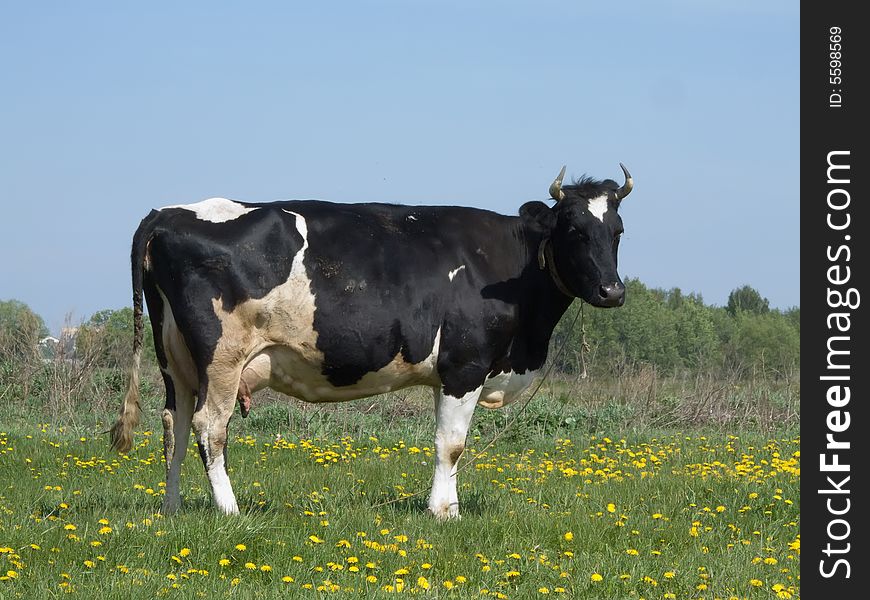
(64, 348)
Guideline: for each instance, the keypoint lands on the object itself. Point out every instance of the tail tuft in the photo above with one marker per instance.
(128, 417)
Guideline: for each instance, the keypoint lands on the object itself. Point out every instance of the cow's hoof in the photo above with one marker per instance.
(446, 512)
(170, 507)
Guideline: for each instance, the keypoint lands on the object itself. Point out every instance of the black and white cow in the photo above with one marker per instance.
(330, 302)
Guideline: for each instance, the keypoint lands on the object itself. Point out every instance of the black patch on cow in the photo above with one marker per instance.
(203, 455)
(379, 275)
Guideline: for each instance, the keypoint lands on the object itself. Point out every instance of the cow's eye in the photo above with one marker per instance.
(574, 230)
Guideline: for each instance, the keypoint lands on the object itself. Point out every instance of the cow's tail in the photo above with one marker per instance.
(130, 411)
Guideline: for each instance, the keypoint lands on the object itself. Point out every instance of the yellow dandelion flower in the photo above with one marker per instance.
(265, 568)
(568, 536)
(632, 552)
(596, 577)
(460, 579)
(543, 590)
(287, 579)
(224, 562)
(184, 552)
(251, 566)
(372, 579)
(756, 582)
(422, 582)
(611, 508)
(314, 539)
(241, 547)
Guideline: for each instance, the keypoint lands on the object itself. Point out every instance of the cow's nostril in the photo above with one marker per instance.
(611, 295)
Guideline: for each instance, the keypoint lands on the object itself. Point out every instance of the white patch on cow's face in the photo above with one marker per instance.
(598, 206)
(215, 210)
(453, 273)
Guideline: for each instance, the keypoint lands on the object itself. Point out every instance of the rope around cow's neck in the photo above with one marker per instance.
(584, 347)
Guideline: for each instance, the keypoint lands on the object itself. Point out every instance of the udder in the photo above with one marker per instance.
(504, 388)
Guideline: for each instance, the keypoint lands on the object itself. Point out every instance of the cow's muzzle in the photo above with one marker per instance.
(611, 295)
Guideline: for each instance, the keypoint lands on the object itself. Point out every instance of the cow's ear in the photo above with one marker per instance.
(538, 216)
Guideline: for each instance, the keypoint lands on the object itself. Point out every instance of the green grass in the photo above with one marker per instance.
(554, 506)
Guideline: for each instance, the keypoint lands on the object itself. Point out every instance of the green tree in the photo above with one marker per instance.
(766, 342)
(108, 337)
(747, 299)
(20, 331)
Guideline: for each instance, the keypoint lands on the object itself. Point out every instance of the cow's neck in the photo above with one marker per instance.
(540, 309)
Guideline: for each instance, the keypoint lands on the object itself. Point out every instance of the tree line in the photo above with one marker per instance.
(676, 332)
(672, 331)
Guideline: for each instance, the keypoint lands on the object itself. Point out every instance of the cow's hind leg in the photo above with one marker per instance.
(177, 417)
(210, 422)
(452, 418)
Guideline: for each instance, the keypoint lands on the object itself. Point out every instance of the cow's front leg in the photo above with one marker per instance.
(452, 418)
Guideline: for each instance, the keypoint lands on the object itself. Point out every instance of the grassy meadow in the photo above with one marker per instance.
(576, 500)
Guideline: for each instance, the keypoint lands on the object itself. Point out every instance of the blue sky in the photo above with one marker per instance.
(108, 110)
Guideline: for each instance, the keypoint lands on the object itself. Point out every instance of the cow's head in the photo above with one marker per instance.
(581, 237)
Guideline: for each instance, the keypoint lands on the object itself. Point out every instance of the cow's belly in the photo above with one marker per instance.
(285, 370)
(504, 388)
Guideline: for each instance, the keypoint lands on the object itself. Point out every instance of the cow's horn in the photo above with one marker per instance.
(556, 187)
(625, 190)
